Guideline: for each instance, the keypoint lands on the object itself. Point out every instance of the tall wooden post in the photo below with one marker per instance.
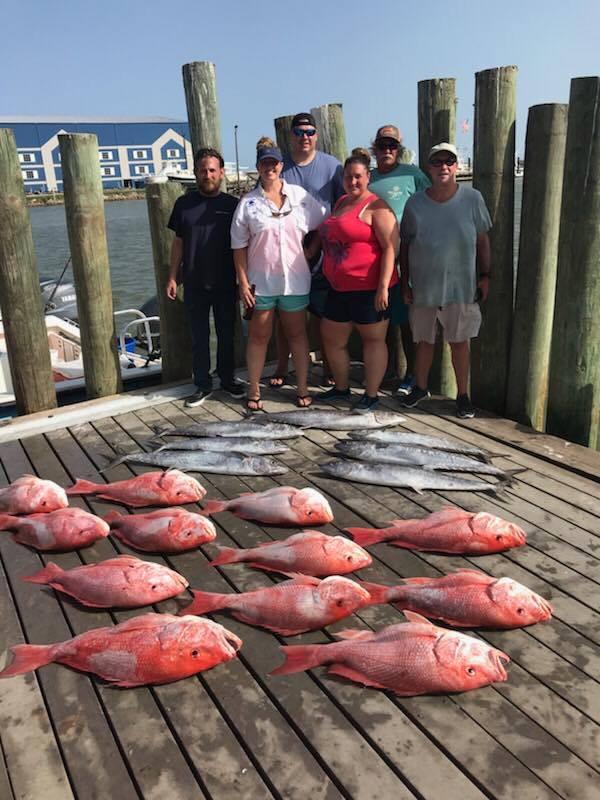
(494, 176)
(175, 337)
(574, 391)
(283, 133)
(84, 208)
(332, 132)
(200, 85)
(437, 123)
(538, 254)
(22, 313)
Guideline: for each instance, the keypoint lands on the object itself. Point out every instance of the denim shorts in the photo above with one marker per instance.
(357, 307)
(283, 302)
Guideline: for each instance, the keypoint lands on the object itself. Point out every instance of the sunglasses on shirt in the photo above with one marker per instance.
(310, 132)
(450, 161)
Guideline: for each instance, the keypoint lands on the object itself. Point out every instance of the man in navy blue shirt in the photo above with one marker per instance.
(201, 255)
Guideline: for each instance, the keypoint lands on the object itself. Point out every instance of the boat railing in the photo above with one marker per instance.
(140, 319)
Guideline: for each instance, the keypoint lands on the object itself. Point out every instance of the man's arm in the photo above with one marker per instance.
(483, 264)
(407, 296)
(174, 265)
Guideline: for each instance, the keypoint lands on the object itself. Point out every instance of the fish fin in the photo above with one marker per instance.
(27, 657)
(50, 572)
(205, 602)
(258, 565)
(213, 507)
(354, 675)
(355, 635)
(301, 578)
(227, 555)
(365, 536)
(112, 516)
(412, 616)
(299, 657)
(378, 593)
(83, 487)
(115, 462)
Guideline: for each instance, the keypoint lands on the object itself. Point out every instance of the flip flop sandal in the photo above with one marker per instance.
(254, 404)
(301, 401)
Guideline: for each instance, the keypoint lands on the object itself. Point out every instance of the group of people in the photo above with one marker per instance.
(356, 247)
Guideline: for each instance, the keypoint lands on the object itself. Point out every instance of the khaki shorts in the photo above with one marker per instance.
(460, 321)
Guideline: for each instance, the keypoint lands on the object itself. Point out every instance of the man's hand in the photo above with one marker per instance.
(407, 295)
(381, 299)
(171, 289)
(483, 284)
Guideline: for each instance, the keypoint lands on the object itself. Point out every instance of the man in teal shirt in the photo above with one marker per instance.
(394, 182)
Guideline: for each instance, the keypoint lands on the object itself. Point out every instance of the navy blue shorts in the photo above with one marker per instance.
(357, 307)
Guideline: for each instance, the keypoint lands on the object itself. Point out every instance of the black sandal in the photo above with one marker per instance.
(300, 401)
(254, 404)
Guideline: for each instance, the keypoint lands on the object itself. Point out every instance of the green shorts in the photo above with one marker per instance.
(284, 302)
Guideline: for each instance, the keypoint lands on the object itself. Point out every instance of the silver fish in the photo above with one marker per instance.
(330, 420)
(242, 428)
(202, 461)
(229, 444)
(419, 440)
(408, 477)
(415, 457)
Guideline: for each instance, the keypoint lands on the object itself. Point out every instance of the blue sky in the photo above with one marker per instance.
(125, 56)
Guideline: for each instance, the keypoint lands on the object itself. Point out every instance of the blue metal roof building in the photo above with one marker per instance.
(129, 149)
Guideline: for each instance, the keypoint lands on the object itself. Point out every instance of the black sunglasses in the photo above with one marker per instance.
(386, 144)
(310, 132)
(450, 161)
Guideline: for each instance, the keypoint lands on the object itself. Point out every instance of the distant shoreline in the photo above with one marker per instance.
(57, 198)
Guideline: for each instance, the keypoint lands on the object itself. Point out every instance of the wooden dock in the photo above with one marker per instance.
(235, 732)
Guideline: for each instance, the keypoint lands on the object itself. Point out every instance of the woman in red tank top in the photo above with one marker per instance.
(360, 241)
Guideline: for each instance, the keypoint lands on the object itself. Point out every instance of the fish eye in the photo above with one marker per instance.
(340, 603)
(520, 610)
(195, 653)
(153, 586)
(349, 558)
(471, 670)
(498, 537)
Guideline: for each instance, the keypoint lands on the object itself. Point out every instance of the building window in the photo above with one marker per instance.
(142, 170)
(173, 153)
(26, 158)
(108, 170)
(106, 155)
(140, 154)
(31, 174)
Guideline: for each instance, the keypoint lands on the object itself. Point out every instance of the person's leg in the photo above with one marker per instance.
(259, 334)
(375, 354)
(408, 345)
(224, 307)
(283, 353)
(294, 326)
(461, 360)
(423, 361)
(197, 306)
(334, 336)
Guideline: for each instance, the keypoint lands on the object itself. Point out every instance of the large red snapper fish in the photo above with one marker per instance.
(451, 530)
(150, 649)
(309, 552)
(295, 606)
(467, 598)
(122, 582)
(283, 505)
(158, 488)
(410, 658)
(168, 530)
(65, 529)
(31, 495)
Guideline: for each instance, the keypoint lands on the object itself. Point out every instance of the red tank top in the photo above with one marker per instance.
(352, 253)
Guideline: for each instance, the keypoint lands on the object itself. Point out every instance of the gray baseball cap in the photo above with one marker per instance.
(442, 147)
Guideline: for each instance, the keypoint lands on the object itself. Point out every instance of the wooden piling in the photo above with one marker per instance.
(283, 133)
(538, 255)
(494, 176)
(200, 85)
(20, 299)
(437, 123)
(84, 208)
(175, 337)
(574, 390)
(332, 132)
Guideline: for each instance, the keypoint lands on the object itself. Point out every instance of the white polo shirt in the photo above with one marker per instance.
(273, 236)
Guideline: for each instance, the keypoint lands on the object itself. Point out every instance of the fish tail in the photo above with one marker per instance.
(365, 536)
(50, 572)
(83, 487)
(205, 602)
(27, 657)
(378, 593)
(508, 480)
(112, 516)
(213, 506)
(299, 657)
(115, 462)
(227, 555)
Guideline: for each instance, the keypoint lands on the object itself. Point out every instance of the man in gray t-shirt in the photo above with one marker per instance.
(445, 266)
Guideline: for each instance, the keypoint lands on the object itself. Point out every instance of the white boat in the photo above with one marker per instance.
(135, 341)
